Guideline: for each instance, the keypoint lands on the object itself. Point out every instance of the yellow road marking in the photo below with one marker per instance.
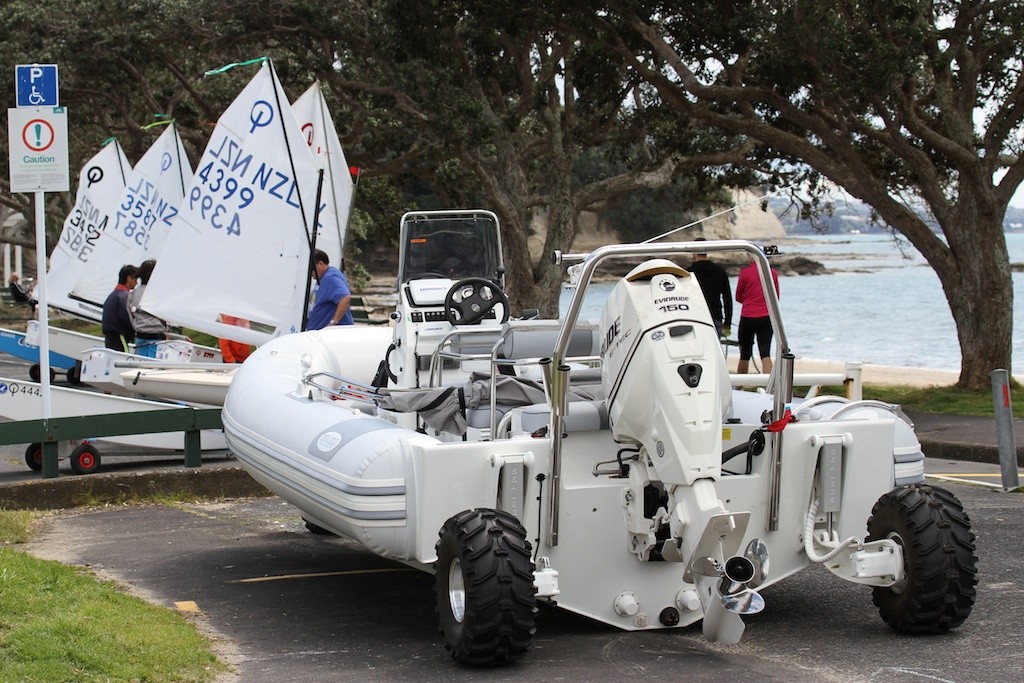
(187, 606)
(961, 474)
(315, 575)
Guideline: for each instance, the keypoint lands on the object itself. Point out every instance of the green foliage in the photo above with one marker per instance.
(934, 399)
(60, 624)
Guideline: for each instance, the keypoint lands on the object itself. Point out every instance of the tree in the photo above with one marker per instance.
(905, 104)
(116, 75)
(489, 103)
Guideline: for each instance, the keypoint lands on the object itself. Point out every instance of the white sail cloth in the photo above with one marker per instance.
(243, 232)
(100, 185)
(143, 218)
(317, 128)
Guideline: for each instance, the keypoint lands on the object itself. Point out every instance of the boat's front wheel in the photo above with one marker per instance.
(939, 564)
(486, 599)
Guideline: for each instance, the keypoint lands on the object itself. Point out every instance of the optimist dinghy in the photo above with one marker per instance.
(642, 492)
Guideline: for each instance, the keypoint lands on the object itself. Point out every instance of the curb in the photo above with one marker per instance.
(970, 452)
(235, 482)
(69, 492)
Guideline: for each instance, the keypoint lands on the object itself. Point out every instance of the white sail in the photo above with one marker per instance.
(100, 184)
(143, 217)
(317, 128)
(240, 250)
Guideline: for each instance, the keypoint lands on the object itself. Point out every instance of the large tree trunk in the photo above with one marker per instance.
(979, 287)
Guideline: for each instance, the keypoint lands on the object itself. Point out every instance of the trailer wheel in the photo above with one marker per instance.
(486, 600)
(35, 373)
(85, 459)
(940, 567)
(75, 374)
(34, 456)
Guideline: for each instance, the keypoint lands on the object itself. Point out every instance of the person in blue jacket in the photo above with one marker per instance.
(332, 295)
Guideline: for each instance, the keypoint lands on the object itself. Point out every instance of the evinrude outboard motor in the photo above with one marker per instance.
(664, 372)
(668, 388)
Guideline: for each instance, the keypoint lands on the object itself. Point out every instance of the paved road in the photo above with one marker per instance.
(300, 607)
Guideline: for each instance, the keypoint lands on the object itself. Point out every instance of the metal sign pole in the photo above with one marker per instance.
(40, 293)
(1004, 429)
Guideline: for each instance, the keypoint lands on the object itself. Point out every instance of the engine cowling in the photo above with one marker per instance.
(664, 374)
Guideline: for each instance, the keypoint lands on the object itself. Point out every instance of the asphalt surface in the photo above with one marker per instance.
(289, 605)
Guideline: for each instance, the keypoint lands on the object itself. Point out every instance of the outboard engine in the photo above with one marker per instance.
(664, 372)
(668, 388)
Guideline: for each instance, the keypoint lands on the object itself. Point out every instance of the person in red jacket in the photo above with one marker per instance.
(233, 351)
(754, 320)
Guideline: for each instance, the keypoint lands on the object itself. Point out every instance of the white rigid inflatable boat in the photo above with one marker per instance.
(649, 498)
(344, 468)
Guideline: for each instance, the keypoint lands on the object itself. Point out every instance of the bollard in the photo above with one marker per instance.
(1004, 429)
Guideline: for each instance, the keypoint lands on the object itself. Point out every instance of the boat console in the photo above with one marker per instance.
(439, 250)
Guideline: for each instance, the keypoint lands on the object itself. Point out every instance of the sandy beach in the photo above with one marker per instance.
(880, 374)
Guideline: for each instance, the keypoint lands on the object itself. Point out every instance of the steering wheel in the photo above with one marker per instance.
(469, 300)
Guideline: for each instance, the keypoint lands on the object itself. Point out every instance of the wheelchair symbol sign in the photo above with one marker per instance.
(36, 85)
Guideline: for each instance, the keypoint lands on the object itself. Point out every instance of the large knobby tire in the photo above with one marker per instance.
(486, 600)
(941, 569)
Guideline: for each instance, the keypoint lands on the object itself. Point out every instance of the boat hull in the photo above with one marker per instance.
(13, 343)
(191, 386)
(344, 468)
(23, 401)
(75, 344)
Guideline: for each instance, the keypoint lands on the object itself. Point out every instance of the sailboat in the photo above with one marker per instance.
(245, 227)
(137, 223)
(249, 225)
(100, 183)
(317, 127)
(100, 186)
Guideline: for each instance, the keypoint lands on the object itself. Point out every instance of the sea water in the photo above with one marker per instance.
(880, 303)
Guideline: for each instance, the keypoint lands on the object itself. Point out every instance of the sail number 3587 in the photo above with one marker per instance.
(220, 199)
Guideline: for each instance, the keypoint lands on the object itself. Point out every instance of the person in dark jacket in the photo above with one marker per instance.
(714, 283)
(118, 332)
(20, 294)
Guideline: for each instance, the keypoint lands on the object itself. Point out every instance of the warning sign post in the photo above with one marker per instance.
(39, 149)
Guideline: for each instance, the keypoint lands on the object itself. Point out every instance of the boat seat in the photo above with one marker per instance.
(583, 416)
(536, 339)
(585, 382)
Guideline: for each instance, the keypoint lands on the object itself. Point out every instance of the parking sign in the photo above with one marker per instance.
(36, 85)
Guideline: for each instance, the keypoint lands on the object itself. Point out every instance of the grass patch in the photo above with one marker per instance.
(59, 623)
(951, 399)
(16, 525)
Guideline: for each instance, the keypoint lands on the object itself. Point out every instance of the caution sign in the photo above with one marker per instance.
(39, 149)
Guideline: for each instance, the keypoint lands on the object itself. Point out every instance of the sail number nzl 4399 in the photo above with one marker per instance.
(219, 199)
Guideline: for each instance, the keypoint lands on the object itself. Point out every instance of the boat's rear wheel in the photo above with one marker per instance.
(939, 564)
(85, 459)
(486, 600)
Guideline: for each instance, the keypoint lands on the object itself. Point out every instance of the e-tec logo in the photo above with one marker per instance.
(667, 285)
(610, 334)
